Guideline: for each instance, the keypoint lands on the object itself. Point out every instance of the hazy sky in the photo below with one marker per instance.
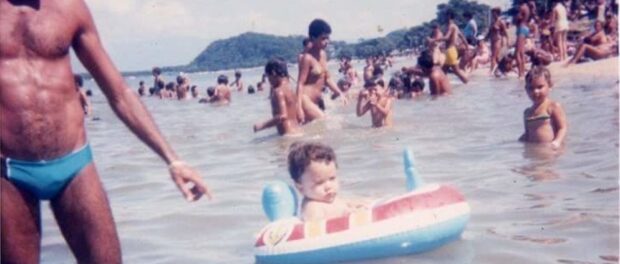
(140, 34)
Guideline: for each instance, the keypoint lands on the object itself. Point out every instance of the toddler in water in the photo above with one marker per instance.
(545, 121)
(313, 167)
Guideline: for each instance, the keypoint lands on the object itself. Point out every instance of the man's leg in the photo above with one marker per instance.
(85, 219)
(21, 232)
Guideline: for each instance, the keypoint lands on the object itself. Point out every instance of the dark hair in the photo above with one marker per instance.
(419, 84)
(374, 81)
(467, 15)
(377, 70)
(277, 67)
(318, 27)
(160, 84)
(251, 89)
(211, 91)
(170, 86)
(222, 79)
(141, 82)
(426, 59)
(496, 11)
(78, 80)
(237, 74)
(156, 70)
(450, 14)
(301, 154)
(305, 42)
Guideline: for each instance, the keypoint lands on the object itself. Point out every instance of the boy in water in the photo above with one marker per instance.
(283, 101)
(141, 89)
(237, 83)
(545, 120)
(313, 167)
(378, 102)
(222, 91)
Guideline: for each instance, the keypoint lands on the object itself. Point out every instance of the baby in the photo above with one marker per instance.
(313, 167)
(545, 120)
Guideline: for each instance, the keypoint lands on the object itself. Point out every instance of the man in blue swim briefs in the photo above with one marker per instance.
(43, 147)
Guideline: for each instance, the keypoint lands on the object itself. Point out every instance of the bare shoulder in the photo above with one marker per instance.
(554, 107)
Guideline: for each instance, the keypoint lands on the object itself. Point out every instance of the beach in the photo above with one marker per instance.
(529, 204)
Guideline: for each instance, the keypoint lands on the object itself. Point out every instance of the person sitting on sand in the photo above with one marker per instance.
(545, 120)
(283, 100)
(483, 55)
(595, 46)
(506, 65)
(314, 168)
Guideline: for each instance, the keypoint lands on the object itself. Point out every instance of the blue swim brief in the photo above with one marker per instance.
(45, 179)
(523, 31)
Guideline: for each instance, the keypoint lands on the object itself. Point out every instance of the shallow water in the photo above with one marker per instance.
(529, 204)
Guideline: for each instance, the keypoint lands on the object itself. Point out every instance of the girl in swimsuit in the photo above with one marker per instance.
(313, 74)
(496, 34)
(545, 120)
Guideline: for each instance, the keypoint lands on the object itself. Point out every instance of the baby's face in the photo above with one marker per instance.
(319, 182)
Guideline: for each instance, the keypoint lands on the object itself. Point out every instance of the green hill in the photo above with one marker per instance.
(246, 50)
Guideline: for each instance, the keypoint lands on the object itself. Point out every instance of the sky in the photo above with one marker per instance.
(140, 34)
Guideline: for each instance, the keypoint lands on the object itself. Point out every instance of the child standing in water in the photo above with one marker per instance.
(283, 101)
(238, 84)
(378, 102)
(313, 167)
(545, 120)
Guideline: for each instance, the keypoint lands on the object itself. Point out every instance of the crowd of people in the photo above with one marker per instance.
(534, 36)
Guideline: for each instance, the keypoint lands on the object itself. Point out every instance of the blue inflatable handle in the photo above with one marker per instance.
(279, 200)
(413, 178)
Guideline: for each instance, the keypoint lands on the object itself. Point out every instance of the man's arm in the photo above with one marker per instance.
(278, 118)
(127, 105)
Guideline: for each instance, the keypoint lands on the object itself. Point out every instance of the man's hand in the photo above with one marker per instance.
(184, 176)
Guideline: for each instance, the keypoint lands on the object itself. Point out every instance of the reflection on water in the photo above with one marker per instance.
(530, 204)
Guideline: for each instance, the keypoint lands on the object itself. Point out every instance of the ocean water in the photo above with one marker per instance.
(529, 204)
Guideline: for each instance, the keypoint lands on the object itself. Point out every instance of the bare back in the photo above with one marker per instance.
(40, 108)
(284, 103)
